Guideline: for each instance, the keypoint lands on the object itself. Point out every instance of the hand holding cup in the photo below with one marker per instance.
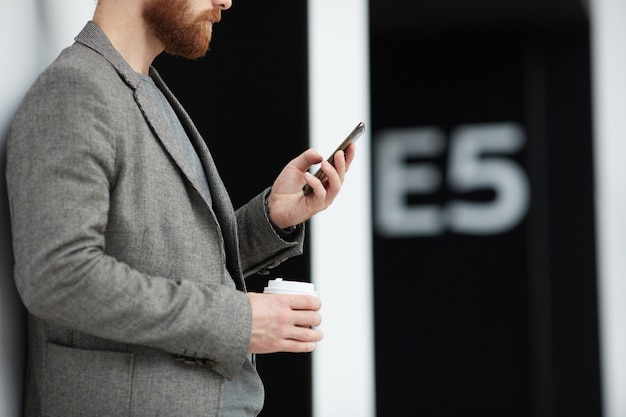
(284, 318)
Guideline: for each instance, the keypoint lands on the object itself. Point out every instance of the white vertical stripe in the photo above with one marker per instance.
(609, 60)
(343, 364)
(63, 20)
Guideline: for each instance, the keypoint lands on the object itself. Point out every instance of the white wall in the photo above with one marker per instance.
(32, 33)
(609, 68)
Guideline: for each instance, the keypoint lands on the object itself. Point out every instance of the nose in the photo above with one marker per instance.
(222, 4)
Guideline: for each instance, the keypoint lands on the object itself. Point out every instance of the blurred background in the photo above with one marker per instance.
(473, 263)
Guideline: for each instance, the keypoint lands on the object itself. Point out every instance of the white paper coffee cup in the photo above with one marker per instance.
(280, 286)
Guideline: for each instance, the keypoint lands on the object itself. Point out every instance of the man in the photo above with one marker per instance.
(129, 255)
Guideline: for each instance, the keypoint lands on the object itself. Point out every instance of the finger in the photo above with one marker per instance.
(333, 178)
(340, 164)
(319, 190)
(293, 346)
(306, 159)
(306, 335)
(304, 302)
(298, 302)
(350, 153)
(308, 319)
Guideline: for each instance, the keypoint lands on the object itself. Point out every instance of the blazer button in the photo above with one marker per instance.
(209, 363)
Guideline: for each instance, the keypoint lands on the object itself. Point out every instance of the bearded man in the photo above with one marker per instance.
(129, 256)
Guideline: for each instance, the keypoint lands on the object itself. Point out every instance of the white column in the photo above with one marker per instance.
(343, 364)
(609, 69)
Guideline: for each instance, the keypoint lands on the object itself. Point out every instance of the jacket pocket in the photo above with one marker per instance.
(79, 382)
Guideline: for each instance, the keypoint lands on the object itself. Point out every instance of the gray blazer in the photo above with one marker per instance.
(119, 260)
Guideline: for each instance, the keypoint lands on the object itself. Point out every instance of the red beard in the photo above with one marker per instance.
(181, 33)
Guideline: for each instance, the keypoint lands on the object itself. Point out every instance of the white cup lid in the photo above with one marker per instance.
(280, 286)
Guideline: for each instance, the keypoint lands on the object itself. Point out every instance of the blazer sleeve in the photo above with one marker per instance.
(262, 248)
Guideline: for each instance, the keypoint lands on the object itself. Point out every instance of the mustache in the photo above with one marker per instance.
(214, 16)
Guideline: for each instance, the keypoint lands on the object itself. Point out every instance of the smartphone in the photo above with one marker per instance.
(352, 137)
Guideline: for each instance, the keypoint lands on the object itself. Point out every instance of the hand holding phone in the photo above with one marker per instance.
(352, 137)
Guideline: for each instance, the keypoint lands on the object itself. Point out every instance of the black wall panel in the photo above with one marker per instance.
(480, 321)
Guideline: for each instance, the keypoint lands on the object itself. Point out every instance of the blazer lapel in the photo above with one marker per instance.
(164, 134)
(221, 202)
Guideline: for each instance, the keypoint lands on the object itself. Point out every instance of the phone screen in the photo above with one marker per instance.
(352, 137)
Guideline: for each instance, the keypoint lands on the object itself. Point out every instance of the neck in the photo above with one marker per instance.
(123, 23)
